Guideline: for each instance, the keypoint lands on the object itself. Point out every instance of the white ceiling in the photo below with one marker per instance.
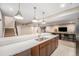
(10, 9)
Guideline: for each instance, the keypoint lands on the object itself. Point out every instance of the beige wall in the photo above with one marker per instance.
(70, 28)
(51, 28)
(9, 22)
(27, 29)
(24, 29)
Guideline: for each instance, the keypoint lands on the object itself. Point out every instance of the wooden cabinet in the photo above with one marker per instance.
(35, 51)
(24, 53)
(43, 49)
(46, 48)
(54, 44)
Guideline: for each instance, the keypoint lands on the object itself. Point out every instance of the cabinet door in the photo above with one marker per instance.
(49, 48)
(43, 51)
(54, 44)
(35, 51)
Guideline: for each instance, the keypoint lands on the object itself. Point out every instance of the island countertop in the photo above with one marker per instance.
(21, 45)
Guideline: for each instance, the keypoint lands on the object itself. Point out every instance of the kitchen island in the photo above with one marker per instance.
(29, 46)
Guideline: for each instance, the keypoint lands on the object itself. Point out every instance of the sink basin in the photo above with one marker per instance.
(41, 39)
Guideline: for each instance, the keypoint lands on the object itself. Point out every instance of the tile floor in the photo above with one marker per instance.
(65, 48)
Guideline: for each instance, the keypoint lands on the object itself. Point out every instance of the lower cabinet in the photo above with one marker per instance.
(45, 49)
(54, 44)
(24, 53)
(35, 51)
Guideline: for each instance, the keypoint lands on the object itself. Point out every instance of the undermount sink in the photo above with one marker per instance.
(41, 39)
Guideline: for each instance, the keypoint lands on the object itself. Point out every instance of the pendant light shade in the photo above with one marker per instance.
(18, 14)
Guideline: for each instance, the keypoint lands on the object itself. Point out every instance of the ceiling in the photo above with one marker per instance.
(10, 9)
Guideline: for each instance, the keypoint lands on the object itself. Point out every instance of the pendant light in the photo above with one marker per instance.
(18, 14)
(43, 22)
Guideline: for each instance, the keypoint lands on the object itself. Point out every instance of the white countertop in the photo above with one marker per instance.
(12, 47)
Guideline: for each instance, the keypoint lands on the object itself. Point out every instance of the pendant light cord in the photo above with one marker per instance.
(18, 14)
(43, 15)
(19, 6)
(34, 12)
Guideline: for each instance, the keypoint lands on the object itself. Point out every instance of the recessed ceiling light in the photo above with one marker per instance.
(62, 5)
(11, 9)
